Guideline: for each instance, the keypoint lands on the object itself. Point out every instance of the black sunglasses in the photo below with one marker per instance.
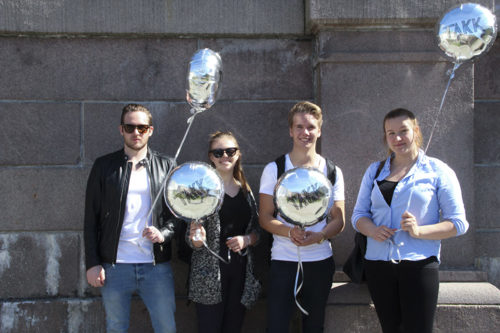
(218, 153)
(140, 128)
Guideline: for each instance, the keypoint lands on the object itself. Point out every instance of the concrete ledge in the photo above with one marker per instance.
(474, 293)
(462, 307)
(444, 276)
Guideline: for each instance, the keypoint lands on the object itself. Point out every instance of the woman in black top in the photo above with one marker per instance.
(223, 291)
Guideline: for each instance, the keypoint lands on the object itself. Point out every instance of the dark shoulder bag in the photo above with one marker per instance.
(353, 267)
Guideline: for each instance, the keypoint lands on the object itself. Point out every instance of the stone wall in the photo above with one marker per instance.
(68, 68)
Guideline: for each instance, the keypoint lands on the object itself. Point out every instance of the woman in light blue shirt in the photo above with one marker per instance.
(405, 211)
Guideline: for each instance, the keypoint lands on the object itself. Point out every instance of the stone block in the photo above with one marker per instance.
(472, 293)
(487, 243)
(467, 318)
(38, 265)
(106, 69)
(82, 315)
(253, 174)
(486, 135)
(380, 46)
(266, 69)
(325, 13)
(154, 17)
(486, 73)
(487, 201)
(40, 133)
(101, 129)
(42, 198)
(491, 265)
(462, 307)
(237, 118)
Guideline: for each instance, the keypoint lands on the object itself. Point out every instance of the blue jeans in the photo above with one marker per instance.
(153, 283)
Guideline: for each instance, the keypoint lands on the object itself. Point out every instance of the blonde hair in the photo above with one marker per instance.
(238, 169)
(305, 107)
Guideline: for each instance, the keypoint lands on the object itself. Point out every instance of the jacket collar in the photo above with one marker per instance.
(144, 161)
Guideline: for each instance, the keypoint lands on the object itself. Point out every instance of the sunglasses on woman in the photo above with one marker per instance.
(129, 128)
(218, 153)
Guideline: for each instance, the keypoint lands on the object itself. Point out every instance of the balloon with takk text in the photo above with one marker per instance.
(466, 32)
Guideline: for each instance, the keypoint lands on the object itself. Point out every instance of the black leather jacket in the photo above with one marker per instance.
(105, 201)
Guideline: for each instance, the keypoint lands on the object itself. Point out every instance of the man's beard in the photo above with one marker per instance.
(135, 147)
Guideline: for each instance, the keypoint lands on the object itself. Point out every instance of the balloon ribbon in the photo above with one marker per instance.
(391, 239)
(190, 122)
(297, 287)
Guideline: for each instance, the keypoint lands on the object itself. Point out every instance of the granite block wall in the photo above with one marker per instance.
(67, 70)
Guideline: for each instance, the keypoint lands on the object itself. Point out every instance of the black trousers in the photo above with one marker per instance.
(318, 277)
(405, 294)
(227, 316)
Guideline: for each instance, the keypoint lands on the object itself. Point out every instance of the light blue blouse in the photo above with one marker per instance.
(430, 191)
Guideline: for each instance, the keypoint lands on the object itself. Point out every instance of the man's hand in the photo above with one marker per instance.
(96, 276)
(153, 234)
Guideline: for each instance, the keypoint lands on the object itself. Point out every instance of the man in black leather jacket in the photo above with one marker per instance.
(125, 251)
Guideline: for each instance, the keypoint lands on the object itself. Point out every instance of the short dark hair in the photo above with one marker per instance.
(136, 108)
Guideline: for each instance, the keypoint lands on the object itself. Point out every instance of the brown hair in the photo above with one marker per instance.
(400, 112)
(305, 107)
(238, 169)
(136, 108)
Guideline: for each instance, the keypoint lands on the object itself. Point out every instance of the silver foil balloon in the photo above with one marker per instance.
(466, 31)
(205, 73)
(193, 191)
(303, 196)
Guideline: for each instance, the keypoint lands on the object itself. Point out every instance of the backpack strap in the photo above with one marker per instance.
(280, 163)
(379, 168)
(331, 171)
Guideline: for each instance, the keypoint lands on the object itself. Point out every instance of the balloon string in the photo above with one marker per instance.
(300, 269)
(197, 237)
(190, 122)
(215, 254)
(452, 75)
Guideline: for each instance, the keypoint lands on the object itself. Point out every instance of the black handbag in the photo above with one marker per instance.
(353, 267)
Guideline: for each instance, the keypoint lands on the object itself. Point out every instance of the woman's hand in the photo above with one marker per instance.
(382, 233)
(409, 224)
(193, 229)
(311, 237)
(238, 243)
(297, 235)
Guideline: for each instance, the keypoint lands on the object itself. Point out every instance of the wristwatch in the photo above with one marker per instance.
(323, 237)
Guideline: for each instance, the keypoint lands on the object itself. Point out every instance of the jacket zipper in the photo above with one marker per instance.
(151, 197)
(128, 168)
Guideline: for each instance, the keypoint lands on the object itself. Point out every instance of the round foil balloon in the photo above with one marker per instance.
(466, 31)
(193, 191)
(205, 72)
(303, 196)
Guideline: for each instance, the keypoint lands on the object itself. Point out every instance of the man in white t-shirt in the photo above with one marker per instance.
(305, 120)
(128, 250)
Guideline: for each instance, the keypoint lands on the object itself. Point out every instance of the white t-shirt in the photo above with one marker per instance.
(283, 248)
(132, 247)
